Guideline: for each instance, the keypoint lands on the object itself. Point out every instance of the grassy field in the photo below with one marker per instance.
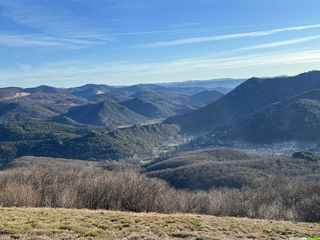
(30, 223)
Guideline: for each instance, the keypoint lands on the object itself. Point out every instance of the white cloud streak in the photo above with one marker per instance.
(282, 43)
(44, 17)
(48, 26)
(213, 38)
(42, 40)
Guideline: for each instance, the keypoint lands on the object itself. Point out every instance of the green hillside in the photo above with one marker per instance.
(87, 143)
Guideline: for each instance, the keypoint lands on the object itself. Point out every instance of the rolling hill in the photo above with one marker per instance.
(9, 92)
(89, 90)
(141, 88)
(170, 103)
(105, 113)
(225, 84)
(35, 103)
(85, 143)
(71, 105)
(45, 89)
(223, 167)
(203, 98)
(296, 119)
(16, 111)
(149, 100)
(146, 109)
(196, 157)
(36, 130)
(248, 98)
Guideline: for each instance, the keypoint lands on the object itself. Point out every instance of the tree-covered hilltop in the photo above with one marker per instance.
(250, 97)
(229, 168)
(87, 143)
(295, 119)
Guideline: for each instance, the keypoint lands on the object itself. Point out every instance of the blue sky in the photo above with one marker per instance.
(73, 42)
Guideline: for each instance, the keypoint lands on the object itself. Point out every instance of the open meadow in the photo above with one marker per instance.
(44, 223)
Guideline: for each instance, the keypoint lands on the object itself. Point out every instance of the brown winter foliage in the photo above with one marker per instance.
(82, 185)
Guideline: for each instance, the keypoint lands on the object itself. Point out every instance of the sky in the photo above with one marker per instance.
(67, 43)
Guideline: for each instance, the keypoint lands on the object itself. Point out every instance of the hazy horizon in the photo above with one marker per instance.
(124, 42)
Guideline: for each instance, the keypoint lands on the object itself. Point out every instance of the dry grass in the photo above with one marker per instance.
(37, 223)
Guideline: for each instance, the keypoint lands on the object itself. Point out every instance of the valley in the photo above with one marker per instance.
(253, 117)
(168, 119)
(146, 121)
(164, 149)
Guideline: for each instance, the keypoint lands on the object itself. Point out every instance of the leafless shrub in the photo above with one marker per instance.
(94, 188)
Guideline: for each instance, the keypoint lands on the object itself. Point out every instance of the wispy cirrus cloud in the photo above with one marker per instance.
(43, 17)
(195, 40)
(41, 40)
(282, 43)
(14, 40)
(53, 25)
(173, 32)
(48, 25)
(59, 27)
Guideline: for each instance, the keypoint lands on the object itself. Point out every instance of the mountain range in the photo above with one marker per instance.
(297, 118)
(261, 110)
(100, 122)
(94, 122)
(44, 139)
(101, 104)
(224, 85)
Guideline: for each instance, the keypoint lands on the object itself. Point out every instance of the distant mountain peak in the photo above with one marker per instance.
(104, 113)
(251, 96)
